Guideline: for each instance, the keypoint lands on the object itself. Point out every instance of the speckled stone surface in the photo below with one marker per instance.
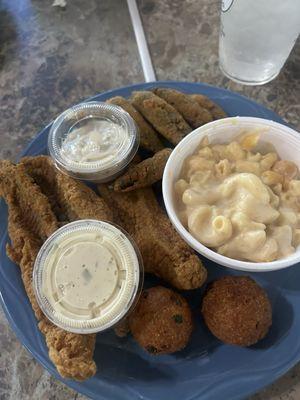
(183, 38)
(52, 57)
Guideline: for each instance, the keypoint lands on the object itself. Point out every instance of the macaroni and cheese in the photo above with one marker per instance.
(243, 203)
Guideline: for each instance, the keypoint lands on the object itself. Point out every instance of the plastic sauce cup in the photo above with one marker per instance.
(125, 137)
(88, 276)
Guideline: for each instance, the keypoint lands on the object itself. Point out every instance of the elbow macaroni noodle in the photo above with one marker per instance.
(240, 202)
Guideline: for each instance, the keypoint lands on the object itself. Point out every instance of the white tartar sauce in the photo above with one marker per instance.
(95, 140)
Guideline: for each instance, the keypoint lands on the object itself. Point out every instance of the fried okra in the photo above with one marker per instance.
(191, 110)
(143, 174)
(149, 139)
(165, 118)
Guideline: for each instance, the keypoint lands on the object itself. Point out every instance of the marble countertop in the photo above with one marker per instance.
(53, 57)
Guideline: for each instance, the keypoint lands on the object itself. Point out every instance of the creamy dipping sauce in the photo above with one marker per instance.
(95, 140)
(88, 276)
(240, 202)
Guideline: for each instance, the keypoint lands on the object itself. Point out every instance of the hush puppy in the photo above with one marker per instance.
(237, 310)
(162, 321)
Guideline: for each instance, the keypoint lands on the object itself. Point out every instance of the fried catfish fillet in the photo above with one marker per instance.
(165, 118)
(163, 251)
(143, 174)
(30, 222)
(70, 199)
(16, 184)
(149, 139)
(191, 110)
(71, 353)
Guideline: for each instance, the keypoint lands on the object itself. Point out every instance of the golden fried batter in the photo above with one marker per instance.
(164, 253)
(143, 174)
(162, 321)
(71, 198)
(71, 353)
(215, 110)
(15, 183)
(122, 328)
(165, 118)
(30, 221)
(149, 139)
(237, 310)
(192, 112)
(25, 245)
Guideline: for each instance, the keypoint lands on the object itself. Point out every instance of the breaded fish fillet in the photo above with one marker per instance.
(192, 112)
(25, 245)
(30, 221)
(216, 111)
(149, 139)
(143, 174)
(164, 253)
(165, 118)
(71, 353)
(15, 183)
(71, 199)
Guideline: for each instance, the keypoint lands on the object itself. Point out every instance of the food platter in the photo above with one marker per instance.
(206, 369)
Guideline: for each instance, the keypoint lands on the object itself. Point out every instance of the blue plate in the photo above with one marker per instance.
(206, 369)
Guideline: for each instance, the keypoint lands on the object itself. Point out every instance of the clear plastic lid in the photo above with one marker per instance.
(93, 141)
(87, 276)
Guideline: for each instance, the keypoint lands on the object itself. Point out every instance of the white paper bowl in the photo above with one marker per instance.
(287, 144)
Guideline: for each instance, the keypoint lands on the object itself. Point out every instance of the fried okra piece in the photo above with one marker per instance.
(216, 111)
(192, 112)
(143, 174)
(165, 118)
(149, 138)
(162, 322)
(237, 310)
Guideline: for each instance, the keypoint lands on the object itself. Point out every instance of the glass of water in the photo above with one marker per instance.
(256, 37)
